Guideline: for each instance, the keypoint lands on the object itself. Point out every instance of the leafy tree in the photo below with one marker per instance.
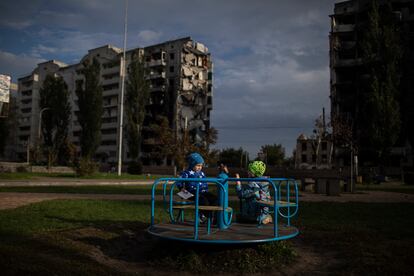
(343, 137)
(275, 154)
(178, 148)
(137, 96)
(380, 107)
(89, 92)
(320, 134)
(54, 95)
(210, 138)
(233, 157)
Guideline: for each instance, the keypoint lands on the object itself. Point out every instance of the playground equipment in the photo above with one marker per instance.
(284, 207)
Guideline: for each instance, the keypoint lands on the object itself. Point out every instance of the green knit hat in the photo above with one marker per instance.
(257, 168)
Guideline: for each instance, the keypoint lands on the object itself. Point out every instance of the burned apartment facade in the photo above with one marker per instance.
(313, 153)
(349, 73)
(179, 73)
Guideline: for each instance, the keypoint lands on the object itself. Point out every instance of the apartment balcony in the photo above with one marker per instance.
(110, 121)
(26, 111)
(106, 148)
(154, 88)
(347, 62)
(108, 142)
(24, 123)
(26, 94)
(25, 105)
(108, 93)
(152, 76)
(110, 124)
(111, 70)
(155, 63)
(110, 80)
(109, 105)
(347, 45)
(150, 141)
(24, 131)
(343, 28)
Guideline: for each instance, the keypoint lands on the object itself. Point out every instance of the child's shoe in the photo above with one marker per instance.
(267, 219)
(202, 219)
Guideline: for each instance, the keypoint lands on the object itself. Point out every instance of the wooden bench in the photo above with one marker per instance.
(202, 207)
(280, 203)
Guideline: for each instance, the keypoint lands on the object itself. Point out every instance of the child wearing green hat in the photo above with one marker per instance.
(252, 192)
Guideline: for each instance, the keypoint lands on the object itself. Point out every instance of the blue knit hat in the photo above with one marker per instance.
(194, 159)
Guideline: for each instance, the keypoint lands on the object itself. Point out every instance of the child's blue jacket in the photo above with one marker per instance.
(192, 186)
(250, 193)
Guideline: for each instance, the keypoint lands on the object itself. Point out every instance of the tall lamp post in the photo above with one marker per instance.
(177, 120)
(121, 108)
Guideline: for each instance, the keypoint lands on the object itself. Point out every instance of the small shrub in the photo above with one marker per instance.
(135, 167)
(85, 167)
(22, 169)
(257, 259)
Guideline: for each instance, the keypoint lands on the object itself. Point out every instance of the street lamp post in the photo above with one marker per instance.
(121, 108)
(177, 120)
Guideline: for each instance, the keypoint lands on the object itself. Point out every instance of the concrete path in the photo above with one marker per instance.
(49, 181)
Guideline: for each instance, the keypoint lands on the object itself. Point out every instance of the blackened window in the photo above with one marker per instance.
(304, 159)
(304, 146)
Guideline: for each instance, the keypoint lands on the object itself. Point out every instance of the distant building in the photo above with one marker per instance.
(349, 74)
(180, 76)
(10, 149)
(313, 153)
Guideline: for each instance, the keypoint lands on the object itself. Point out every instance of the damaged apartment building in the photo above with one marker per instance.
(179, 73)
(350, 74)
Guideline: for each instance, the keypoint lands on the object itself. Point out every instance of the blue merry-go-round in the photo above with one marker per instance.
(227, 230)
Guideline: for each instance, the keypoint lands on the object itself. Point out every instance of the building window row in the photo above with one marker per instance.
(108, 120)
(25, 128)
(110, 76)
(110, 64)
(27, 101)
(108, 142)
(109, 131)
(111, 86)
(27, 92)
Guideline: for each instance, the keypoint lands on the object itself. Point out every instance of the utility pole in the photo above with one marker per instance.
(121, 103)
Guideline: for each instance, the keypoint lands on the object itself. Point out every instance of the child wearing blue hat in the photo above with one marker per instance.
(194, 170)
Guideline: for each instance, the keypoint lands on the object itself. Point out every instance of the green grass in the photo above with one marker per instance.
(33, 239)
(67, 214)
(372, 238)
(43, 229)
(49, 237)
(142, 189)
(396, 187)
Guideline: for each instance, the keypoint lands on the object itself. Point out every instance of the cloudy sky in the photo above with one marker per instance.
(271, 57)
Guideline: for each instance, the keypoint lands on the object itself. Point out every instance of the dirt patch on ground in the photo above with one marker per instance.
(129, 250)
